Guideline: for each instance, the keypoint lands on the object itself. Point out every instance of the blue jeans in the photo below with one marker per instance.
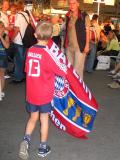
(90, 58)
(19, 61)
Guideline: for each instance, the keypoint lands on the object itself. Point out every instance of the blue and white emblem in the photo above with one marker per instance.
(61, 87)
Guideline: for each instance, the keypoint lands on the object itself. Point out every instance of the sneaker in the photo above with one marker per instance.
(2, 94)
(6, 76)
(23, 152)
(1, 98)
(44, 152)
(116, 76)
(111, 73)
(114, 85)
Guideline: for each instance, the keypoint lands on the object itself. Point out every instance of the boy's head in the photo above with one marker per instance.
(44, 31)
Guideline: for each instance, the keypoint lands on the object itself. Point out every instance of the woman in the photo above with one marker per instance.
(113, 47)
(4, 43)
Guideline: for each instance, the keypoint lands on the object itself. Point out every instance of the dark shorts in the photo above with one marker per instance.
(45, 108)
(3, 62)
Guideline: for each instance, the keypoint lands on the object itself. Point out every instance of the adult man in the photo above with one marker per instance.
(94, 38)
(77, 36)
(20, 27)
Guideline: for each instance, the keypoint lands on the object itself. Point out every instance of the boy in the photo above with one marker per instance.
(40, 71)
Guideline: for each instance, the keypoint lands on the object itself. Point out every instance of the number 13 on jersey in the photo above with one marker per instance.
(34, 68)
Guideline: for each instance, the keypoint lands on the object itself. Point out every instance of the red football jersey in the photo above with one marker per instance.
(40, 71)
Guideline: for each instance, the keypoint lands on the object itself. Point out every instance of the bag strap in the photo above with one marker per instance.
(24, 17)
(25, 20)
(20, 35)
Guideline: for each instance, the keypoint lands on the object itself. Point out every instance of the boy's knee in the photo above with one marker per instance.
(34, 118)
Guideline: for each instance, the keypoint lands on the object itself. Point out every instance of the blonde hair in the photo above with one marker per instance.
(44, 30)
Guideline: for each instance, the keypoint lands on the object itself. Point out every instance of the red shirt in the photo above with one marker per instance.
(11, 19)
(40, 71)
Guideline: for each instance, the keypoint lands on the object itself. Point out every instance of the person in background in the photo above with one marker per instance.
(94, 38)
(102, 41)
(11, 18)
(56, 30)
(40, 71)
(4, 43)
(107, 26)
(19, 31)
(4, 15)
(112, 45)
(77, 36)
(115, 73)
(62, 32)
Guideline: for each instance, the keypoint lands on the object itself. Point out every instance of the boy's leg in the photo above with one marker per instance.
(44, 149)
(31, 122)
(44, 120)
(24, 146)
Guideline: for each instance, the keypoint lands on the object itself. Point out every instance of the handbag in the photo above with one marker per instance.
(103, 62)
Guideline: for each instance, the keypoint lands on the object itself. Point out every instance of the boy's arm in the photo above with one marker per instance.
(52, 65)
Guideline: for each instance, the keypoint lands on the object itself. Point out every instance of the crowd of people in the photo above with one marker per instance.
(82, 40)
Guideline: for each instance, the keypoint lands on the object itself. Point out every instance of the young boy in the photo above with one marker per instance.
(40, 71)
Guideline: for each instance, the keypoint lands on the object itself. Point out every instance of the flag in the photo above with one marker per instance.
(74, 107)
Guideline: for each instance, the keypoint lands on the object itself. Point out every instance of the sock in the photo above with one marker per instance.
(43, 145)
(27, 138)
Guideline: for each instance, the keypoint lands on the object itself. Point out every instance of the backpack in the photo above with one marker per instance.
(28, 39)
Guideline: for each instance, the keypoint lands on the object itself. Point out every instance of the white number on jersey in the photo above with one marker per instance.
(34, 65)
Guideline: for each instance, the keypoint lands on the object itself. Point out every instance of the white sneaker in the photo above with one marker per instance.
(6, 76)
(111, 73)
(23, 152)
(116, 76)
(2, 94)
(1, 98)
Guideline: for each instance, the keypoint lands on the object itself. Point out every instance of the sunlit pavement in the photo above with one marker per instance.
(103, 142)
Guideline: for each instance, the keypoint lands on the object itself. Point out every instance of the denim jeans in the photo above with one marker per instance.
(19, 61)
(90, 58)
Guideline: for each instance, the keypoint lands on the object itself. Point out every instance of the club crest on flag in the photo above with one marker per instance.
(61, 87)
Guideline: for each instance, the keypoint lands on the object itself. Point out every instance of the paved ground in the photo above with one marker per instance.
(103, 143)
